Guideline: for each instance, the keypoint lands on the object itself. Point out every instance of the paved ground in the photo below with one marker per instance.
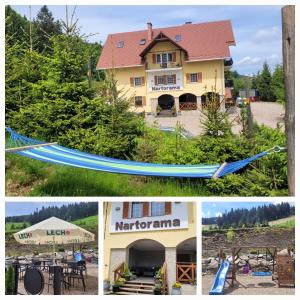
(91, 282)
(187, 289)
(268, 113)
(249, 285)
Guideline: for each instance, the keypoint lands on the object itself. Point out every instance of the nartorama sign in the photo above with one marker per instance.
(178, 219)
(158, 88)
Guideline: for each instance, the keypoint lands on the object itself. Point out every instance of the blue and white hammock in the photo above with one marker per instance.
(53, 153)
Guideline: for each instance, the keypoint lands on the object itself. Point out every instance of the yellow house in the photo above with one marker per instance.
(148, 237)
(170, 69)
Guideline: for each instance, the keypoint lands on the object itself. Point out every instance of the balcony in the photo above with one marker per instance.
(162, 66)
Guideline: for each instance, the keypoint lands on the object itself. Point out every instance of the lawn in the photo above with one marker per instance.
(12, 227)
(284, 223)
(28, 177)
(89, 223)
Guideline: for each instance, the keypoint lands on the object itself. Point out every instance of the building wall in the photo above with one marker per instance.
(169, 238)
(212, 74)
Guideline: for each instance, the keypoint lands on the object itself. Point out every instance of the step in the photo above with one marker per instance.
(128, 293)
(138, 286)
(140, 282)
(135, 290)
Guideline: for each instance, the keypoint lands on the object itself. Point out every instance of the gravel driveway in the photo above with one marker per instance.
(268, 113)
(248, 285)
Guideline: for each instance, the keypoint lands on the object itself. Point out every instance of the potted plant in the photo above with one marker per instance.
(126, 273)
(106, 285)
(117, 284)
(157, 289)
(158, 109)
(9, 281)
(176, 289)
(157, 277)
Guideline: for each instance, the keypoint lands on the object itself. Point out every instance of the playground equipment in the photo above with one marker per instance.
(220, 280)
(283, 274)
(53, 153)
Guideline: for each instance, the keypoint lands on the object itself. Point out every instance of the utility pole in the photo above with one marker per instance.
(288, 50)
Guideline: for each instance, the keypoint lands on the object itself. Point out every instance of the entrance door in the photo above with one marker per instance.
(145, 257)
(166, 101)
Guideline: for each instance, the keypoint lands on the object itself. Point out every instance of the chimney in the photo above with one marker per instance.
(149, 31)
(188, 22)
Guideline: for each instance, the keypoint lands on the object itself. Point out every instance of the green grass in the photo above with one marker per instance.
(284, 223)
(12, 227)
(28, 177)
(89, 223)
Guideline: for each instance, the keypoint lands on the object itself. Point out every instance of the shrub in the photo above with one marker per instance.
(230, 235)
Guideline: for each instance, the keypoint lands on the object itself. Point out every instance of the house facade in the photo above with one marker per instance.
(170, 68)
(149, 235)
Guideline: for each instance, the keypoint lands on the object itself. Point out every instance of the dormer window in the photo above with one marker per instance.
(142, 42)
(177, 38)
(120, 44)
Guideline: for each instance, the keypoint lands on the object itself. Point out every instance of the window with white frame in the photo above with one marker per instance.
(194, 77)
(138, 81)
(160, 80)
(137, 209)
(170, 79)
(158, 58)
(138, 101)
(157, 209)
(164, 57)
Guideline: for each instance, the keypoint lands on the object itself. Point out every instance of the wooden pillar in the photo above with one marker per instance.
(288, 50)
(233, 267)
(15, 266)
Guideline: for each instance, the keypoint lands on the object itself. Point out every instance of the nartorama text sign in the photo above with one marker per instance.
(158, 88)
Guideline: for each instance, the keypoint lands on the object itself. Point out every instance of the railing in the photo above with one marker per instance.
(188, 106)
(118, 272)
(186, 272)
(164, 277)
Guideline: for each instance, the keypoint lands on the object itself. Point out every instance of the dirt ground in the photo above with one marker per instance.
(91, 281)
(249, 285)
(267, 113)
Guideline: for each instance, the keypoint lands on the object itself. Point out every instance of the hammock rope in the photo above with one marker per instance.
(56, 154)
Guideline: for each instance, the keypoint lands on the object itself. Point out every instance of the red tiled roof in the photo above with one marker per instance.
(201, 41)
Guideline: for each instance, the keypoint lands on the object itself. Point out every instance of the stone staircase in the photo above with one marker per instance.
(136, 287)
(166, 113)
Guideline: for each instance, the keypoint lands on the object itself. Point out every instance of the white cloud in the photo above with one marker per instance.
(267, 35)
(247, 60)
(218, 214)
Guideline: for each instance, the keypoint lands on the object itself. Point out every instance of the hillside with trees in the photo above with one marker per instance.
(256, 216)
(68, 212)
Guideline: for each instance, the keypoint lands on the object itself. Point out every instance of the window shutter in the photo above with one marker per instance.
(133, 101)
(145, 209)
(199, 77)
(165, 79)
(155, 80)
(174, 78)
(174, 56)
(125, 210)
(144, 100)
(131, 81)
(188, 77)
(168, 208)
(143, 80)
(154, 58)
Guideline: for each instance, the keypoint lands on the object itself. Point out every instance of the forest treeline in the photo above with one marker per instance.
(243, 217)
(67, 212)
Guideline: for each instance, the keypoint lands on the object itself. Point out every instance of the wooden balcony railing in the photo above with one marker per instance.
(186, 272)
(118, 271)
(188, 106)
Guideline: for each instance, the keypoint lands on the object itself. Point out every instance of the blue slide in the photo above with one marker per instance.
(219, 284)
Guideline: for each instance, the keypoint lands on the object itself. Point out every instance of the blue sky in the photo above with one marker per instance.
(214, 209)
(257, 29)
(25, 208)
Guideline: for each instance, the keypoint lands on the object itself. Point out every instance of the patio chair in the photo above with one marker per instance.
(76, 272)
(64, 283)
(80, 261)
